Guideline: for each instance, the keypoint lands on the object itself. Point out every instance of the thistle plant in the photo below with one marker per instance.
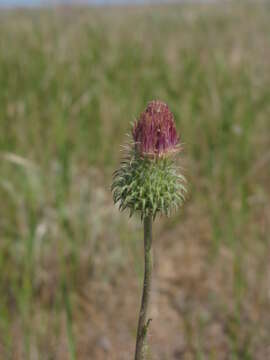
(149, 183)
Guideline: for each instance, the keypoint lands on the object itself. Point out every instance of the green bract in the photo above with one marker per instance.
(148, 186)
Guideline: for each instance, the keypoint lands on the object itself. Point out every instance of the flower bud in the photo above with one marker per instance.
(155, 133)
(150, 187)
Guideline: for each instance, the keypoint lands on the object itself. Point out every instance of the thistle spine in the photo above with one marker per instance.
(148, 183)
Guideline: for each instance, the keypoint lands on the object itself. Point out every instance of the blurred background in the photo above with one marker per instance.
(72, 79)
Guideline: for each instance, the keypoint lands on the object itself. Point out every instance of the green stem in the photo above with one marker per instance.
(143, 321)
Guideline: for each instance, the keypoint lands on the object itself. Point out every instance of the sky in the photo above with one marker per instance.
(17, 3)
(12, 3)
(32, 3)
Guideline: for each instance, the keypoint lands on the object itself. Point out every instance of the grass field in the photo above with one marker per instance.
(71, 81)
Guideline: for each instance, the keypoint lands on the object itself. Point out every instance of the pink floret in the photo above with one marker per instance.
(155, 133)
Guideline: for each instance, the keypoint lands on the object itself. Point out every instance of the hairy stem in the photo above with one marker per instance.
(143, 321)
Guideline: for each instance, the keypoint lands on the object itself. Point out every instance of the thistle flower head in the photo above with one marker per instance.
(155, 133)
(148, 181)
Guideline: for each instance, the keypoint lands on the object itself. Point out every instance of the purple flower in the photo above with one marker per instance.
(155, 133)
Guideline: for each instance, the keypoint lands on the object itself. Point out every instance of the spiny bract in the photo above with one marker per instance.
(148, 186)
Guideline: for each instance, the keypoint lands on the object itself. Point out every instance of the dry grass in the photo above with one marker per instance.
(70, 264)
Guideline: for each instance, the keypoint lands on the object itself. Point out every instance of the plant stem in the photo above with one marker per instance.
(143, 321)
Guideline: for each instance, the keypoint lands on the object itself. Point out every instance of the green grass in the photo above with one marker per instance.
(71, 81)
